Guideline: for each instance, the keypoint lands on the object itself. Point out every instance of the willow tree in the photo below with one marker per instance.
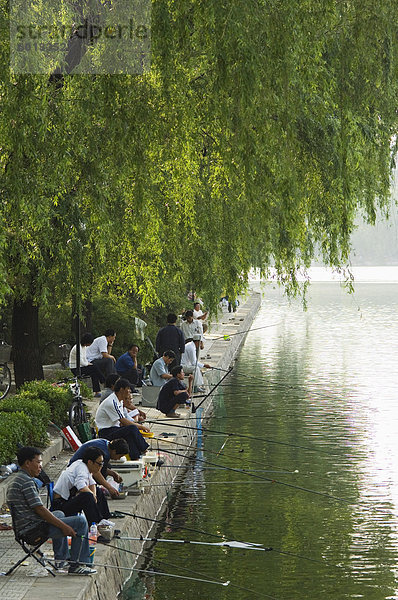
(257, 134)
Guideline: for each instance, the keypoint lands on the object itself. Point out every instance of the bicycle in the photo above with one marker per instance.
(77, 413)
(5, 373)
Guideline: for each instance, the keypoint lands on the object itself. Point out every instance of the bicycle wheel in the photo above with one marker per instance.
(77, 415)
(5, 380)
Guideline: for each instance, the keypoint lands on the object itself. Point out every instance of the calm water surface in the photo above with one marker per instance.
(323, 380)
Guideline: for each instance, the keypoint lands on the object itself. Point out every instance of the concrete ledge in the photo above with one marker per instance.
(108, 582)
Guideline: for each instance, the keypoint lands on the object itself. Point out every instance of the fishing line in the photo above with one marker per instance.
(239, 435)
(219, 453)
(290, 485)
(150, 572)
(222, 467)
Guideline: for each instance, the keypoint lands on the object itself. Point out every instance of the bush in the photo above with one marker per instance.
(15, 429)
(37, 410)
(58, 398)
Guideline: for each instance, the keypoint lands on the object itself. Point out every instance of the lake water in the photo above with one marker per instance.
(322, 384)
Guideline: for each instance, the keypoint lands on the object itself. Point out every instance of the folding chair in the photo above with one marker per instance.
(30, 539)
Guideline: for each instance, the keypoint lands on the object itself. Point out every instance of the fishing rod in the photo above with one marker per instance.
(251, 474)
(193, 408)
(225, 544)
(226, 336)
(214, 535)
(240, 435)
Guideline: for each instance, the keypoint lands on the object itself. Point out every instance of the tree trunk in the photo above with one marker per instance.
(25, 342)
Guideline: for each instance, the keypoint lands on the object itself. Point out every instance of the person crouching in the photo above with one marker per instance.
(174, 392)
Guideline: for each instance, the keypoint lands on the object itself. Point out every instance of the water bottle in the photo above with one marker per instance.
(93, 533)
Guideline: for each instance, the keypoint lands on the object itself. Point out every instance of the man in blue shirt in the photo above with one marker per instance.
(114, 449)
(127, 366)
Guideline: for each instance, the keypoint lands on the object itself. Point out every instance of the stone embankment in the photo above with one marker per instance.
(150, 503)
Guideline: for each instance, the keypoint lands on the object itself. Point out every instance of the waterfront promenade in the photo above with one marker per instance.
(27, 581)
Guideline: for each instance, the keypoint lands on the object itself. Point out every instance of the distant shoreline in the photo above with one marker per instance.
(380, 274)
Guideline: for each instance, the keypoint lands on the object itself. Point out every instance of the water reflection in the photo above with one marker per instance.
(323, 380)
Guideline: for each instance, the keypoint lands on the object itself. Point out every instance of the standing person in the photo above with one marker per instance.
(112, 423)
(171, 338)
(28, 512)
(191, 365)
(99, 353)
(159, 372)
(192, 328)
(174, 392)
(127, 366)
(86, 368)
(200, 315)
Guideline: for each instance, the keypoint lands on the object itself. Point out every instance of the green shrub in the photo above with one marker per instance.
(37, 410)
(61, 374)
(15, 429)
(57, 397)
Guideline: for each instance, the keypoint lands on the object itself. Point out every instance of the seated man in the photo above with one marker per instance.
(99, 353)
(112, 423)
(127, 366)
(191, 365)
(86, 368)
(159, 372)
(75, 490)
(28, 510)
(174, 393)
(110, 450)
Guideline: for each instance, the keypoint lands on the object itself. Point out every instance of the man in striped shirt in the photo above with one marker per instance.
(29, 513)
(112, 424)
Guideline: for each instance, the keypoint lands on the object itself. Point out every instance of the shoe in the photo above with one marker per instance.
(97, 395)
(81, 570)
(173, 415)
(61, 564)
(201, 389)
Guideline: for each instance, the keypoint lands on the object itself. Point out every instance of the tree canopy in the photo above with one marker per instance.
(259, 132)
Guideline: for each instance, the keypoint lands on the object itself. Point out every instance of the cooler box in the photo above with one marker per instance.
(131, 471)
(150, 395)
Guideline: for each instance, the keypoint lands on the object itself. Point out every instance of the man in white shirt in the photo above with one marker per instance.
(86, 368)
(192, 329)
(192, 365)
(99, 353)
(76, 491)
(159, 372)
(200, 315)
(112, 423)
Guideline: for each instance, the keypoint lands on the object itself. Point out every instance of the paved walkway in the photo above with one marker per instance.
(30, 581)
